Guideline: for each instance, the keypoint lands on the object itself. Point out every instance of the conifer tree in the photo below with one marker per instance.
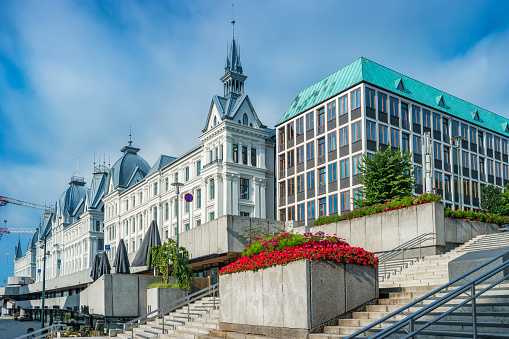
(385, 175)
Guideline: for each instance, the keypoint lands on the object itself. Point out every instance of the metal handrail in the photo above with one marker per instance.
(438, 302)
(46, 332)
(401, 249)
(168, 308)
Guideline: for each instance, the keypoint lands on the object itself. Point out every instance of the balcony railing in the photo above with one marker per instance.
(217, 161)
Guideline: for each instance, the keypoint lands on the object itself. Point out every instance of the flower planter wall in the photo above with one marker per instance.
(158, 297)
(293, 300)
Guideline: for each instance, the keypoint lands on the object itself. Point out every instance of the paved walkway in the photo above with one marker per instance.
(9, 328)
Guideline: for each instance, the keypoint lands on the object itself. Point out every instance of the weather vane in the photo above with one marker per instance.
(130, 141)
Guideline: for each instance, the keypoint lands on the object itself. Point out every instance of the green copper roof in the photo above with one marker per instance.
(363, 69)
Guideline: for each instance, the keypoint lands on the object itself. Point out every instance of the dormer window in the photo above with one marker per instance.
(475, 115)
(399, 85)
(441, 102)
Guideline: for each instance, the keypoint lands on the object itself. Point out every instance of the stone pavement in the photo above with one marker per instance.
(9, 328)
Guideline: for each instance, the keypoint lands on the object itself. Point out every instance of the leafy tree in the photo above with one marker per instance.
(385, 175)
(168, 255)
(492, 200)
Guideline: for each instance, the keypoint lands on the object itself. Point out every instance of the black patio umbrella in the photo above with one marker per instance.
(121, 262)
(94, 273)
(104, 264)
(152, 238)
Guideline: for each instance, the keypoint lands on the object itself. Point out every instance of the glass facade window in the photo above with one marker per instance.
(356, 131)
(473, 133)
(447, 183)
(187, 173)
(333, 172)
(394, 107)
(394, 137)
(447, 155)
(436, 122)
(333, 204)
(382, 137)
(311, 209)
(464, 159)
(498, 170)
(244, 155)
(289, 131)
(300, 183)
(300, 212)
(418, 175)
(253, 157)
(355, 97)
(291, 213)
(345, 201)
(416, 114)
(382, 102)
(489, 141)
(504, 146)
(481, 165)
(282, 136)
(473, 162)
(310, 150)
(356, 196)
(455, 128)
(291, 187)
(417, 144)
(426, 118)
(475, 189)
(438, 151)
(290, 160)
(497, 144)
(404, 112)
(356, 162)
(198, 198)
(300, 154)
(198, 168)
(282, 162)
(344, 166)
(370, 98)
(310, 179)
(480, 139)
(321, 150)
(405, 144)
(212, 189)
(321, 179)
(321, 121)
(282, 190)
(235, 153)
(445, 123)
(323, 207)
(155, 189)
(343, 136)
(331, 140)
(331, 110)
(343, 105)
(310, 124)
(371, 130)
(438, 181)
(299, 126)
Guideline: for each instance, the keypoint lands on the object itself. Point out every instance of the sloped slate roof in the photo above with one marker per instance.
(161, 162)
(124, 168)
(71, 198)
(18, 253)
(366, 70)
(97, 188)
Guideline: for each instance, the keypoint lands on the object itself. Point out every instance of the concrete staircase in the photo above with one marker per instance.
(423, 277)
(197, 322)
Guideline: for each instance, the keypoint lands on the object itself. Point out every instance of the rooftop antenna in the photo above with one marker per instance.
(104, 159)
(94, 160)
(130, 141)
(233, 20)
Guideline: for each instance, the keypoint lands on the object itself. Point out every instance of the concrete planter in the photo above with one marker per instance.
(293, 300)
(158, 297)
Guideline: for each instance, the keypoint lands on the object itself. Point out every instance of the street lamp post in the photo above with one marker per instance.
(43, 282)
(177, 186)
(456, 142)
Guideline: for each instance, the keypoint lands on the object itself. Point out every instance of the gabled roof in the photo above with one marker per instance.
(97, 190)
(161, 162)
(370, 72)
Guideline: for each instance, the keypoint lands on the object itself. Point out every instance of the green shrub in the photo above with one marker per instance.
(162, 284)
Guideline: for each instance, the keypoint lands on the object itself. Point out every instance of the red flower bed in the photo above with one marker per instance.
(337, 251)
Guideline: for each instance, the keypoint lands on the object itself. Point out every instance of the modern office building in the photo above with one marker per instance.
(363, 106)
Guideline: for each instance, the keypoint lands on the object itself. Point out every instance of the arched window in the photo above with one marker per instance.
(245, 120)
(215, 121)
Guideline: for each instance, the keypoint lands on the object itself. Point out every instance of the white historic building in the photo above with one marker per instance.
(229, 172)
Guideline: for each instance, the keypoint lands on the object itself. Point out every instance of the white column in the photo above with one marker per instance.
(263, 203)
(204, 199)
(235, 195)
(248, 145)
(229, 148)
(256, 197)
(228, 200)
(261, 156)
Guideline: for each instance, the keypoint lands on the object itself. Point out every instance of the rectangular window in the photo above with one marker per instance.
(282, 215)
(371, 130)
(300, 212)
(417, 144)
(438, 151)
(311, 209)
(506, 172)
(310, 177)
(289, 130)
(244, 188)
(310, 124)
(504, 146)
(344, 166)
(291, 187)
(481, 165)
(447, 155)
(436, 122)
(333, 172)
(300, 183)
(464, 131)
(212, 189)
(447, 183)
(480, 138)
(345, 201)
(331, 110)
(333, 204)
(497, 144)
(155, 188)
(382, 134)
(343, 105)
(321, 150)
(404, 112)
(370, 98)
(299, 126)
(282, 162)
(291, 213)
(244, 155)
(235, 153)
(253, 157)
(300, 154)
(416, 114)
(356, 196)
(166, 186)
(282, 136)
(426, 118)
(394, 107)
(445, 123)
(464, 159)
(466, 187)
(166, 211)
(382, 102)
(356, 162)
(187, 173)
(290, 159)
(498, 170)
(331, 138)
(198, 168)
(355, 97)
(455, 128)
(418, 175)
(282, 190)
(187, 207)
(394, 137)
(310, 150)
(473, 162)
(212, 216)
(198, 198)
(343, 137)
(473, 134)
(321, 179)
(323, 207)
(405, 144)
(475, 189)
(489, 140)
(490, 167)
(321, 121)
(356, 131)
(438, 181)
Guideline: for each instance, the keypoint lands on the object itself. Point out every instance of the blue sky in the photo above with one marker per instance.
(74, 75)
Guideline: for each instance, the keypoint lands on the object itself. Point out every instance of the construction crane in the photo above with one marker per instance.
(16, 230)
(5, 200)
